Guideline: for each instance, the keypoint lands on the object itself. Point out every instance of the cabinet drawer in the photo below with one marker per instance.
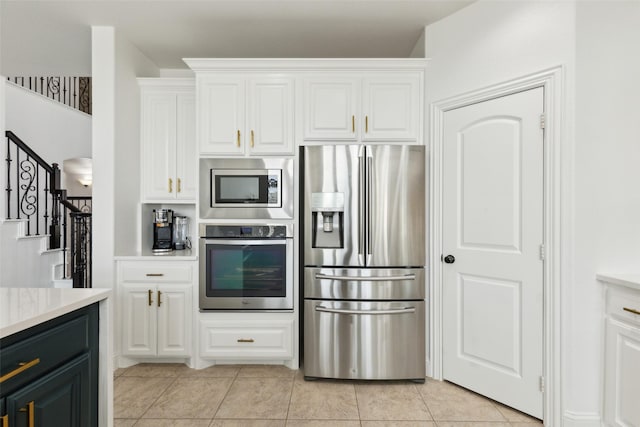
(247, 340)
(45, 350)
(622, 304)
(155, 272)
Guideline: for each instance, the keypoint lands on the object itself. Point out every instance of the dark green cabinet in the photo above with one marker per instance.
(60, 386)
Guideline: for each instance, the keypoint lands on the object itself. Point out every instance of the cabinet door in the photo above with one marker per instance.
(331, 109)
(139, 329)
(391, 108)
(221, 115)
(174, 320)
(158, 146)
(186, 151)
(270, 116)
(622, 374)
(62, 398)
(4, 417)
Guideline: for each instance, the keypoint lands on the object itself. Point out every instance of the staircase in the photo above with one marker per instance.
(38, 266)
(45, 238)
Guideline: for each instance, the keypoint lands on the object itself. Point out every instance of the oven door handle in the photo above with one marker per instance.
(367, 279)
(372, 312)
(244, 242)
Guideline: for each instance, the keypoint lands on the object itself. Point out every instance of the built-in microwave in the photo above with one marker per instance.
(246, 188)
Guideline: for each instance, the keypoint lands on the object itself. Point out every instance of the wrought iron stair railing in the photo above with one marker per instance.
(72, 91)
(34, 194)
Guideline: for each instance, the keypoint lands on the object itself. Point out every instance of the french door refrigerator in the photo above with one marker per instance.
(363, 245)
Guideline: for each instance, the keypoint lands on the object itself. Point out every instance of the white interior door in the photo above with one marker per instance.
(492, 209)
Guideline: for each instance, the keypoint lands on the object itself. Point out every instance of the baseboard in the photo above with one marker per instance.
(581, 419)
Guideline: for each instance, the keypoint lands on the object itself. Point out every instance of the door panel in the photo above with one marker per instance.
(139, 335)
(159, 136)
(494, 141)
(331, 109)
(397, 206)
(493, 225)
(221, 115)
(270, 116)
(174, 320)
(364, 340)
(333, 169)
(186, 148)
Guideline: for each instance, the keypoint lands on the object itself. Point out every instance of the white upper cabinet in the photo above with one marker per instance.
(391, 106)
(245, 116)
(331, 108)
(168, 142)
(372, 107)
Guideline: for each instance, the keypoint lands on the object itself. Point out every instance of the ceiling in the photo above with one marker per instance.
(49, 37)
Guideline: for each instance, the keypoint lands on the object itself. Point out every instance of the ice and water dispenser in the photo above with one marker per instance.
(327, 210)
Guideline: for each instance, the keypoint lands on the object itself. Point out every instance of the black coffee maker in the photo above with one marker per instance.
(162, 230)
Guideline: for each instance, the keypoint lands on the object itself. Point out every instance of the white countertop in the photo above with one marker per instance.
(22, 308)
(148, 255)
(630, 280)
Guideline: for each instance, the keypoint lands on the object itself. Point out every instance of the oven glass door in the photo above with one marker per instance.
(246, 269)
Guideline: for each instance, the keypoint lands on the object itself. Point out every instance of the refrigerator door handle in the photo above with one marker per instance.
(361, 205)
(368, 177)
(370, 312)
(367, 279)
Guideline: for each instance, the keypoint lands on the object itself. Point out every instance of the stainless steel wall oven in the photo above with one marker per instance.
(246, 267)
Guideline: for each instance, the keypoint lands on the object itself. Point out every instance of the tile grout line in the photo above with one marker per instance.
(233, 381)
(426, 405)
(156, 399)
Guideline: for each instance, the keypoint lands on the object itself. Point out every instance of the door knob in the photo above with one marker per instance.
(449, 259)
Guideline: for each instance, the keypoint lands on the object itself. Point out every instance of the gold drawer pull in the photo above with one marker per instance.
(251, 138)
(150, 292)
(245, 340)
(5, 420)
(353, 124)
(366, 124)
(30, 410)
(179, 185)
(238, 140)
(631, 310)
(23, 367)
(159, 300)
(170, 185)
(155, 274)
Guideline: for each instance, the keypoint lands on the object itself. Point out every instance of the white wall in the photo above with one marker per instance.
(53, 130)
(597, 43)
(607, 175)
(490, 42)
(130, 64)
(116, 64)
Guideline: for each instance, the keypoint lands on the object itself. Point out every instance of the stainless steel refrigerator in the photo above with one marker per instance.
(363, 246)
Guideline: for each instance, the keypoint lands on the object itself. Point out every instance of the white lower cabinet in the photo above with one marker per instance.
(246, 339)
(622, 357)
(156, 308)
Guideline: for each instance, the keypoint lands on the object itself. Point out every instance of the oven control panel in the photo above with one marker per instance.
(244, 231)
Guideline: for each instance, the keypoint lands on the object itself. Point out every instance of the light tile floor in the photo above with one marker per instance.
(168, 395)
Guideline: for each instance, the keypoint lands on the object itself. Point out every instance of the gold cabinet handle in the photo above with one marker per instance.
(353, 124)
(366, 124)
(170, 185)
(179, 185)
(30, 410)
(238, 140)
(245, 340)
(23, 367)
(159, 300)
(251, 138)
(5, 420)
(155, 274)
(631, 310)
(150, 292)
